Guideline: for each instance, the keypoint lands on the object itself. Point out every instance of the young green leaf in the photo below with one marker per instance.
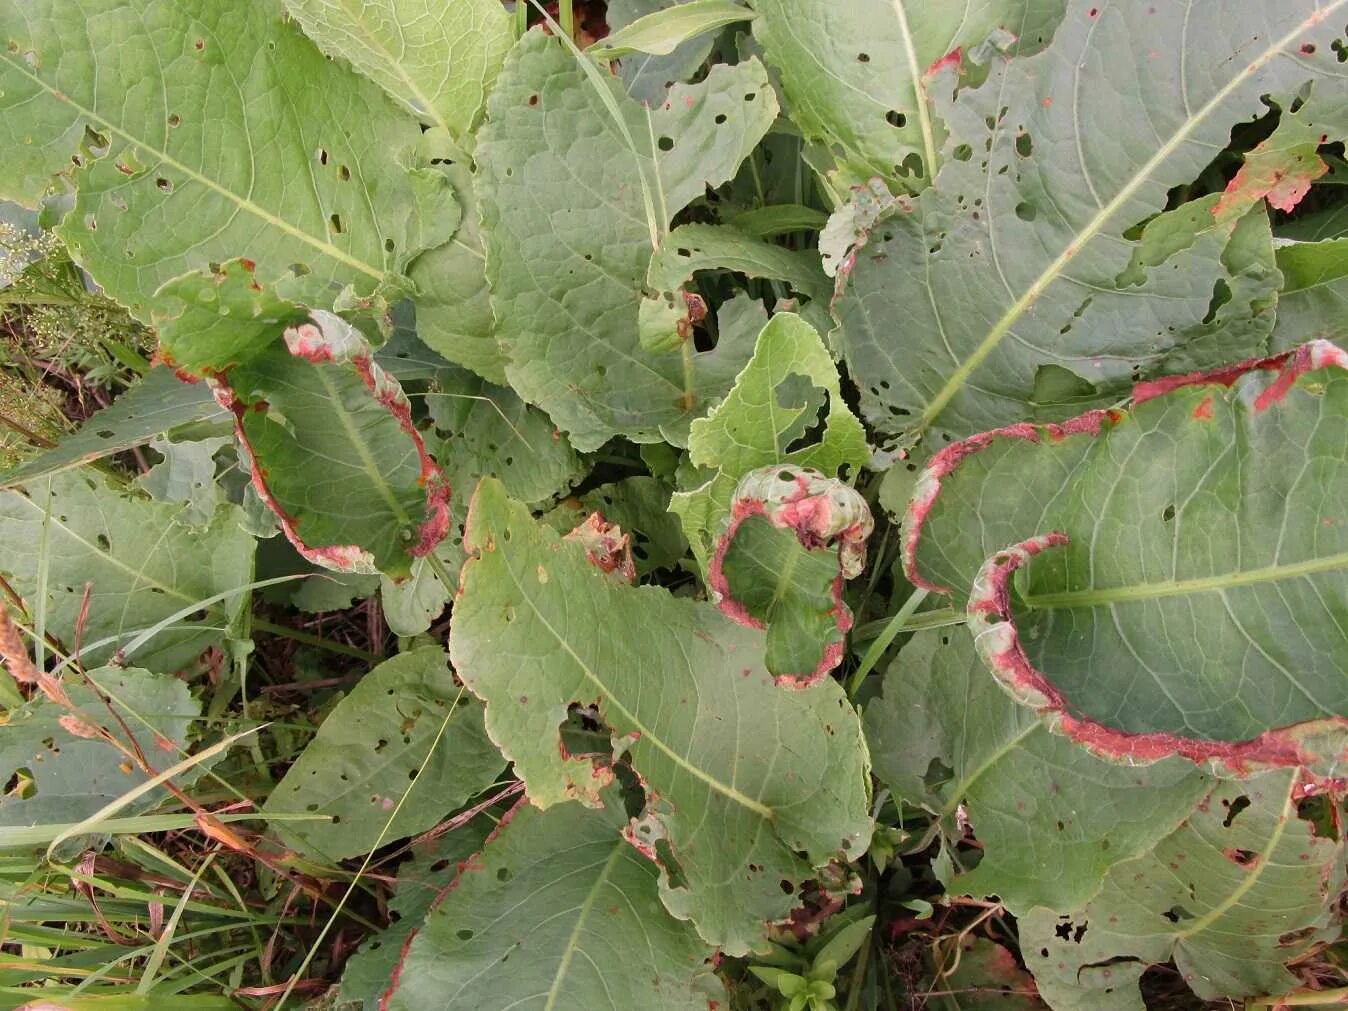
(368, 749)
(750, 786)
(766, 420)
(662, 31)
(575, 910)
(647, 77)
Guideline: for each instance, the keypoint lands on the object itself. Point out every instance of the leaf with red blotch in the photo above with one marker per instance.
(1281, 168)
(1166, 579)
(794, 537)
(987, 977)
(333, 451)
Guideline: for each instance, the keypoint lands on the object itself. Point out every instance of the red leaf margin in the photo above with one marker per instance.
(318, 343)
(1319, 746)
(808, 512)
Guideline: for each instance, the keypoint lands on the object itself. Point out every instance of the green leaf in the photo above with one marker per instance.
(750, 786)
(488, 431)
(793, 538)
(575, 910)
(241, 139)
(764, 421)
(1242, 887)
(334, 453)
(208, 321)
(430, 870)
(779, 219)
(690, 248)
(1314, 298)
(74, 776)
(577, 185)
(1021, 256)
(186, 474)
(439, 59)
(1192, 549)
(858, 77)
(662, 31)
(1052, 818)
(453, 302)
(400, 718)
(413, 604)
(157, 403)
(140, 564)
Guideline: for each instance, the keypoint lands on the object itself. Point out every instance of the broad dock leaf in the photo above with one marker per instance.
(749, 786)
(237, 138)
(1242, 887)
(557, 911)
(1022, 257)
(140, 564)
(858, 75)
(1185, 559)
(438, 59)
(1052, 818)
(577, 184)
(361, 762)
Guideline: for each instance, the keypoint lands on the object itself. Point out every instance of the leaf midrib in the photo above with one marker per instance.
(1002, 327)
(919, 98)
(1251, 876)
(1185, 587)
(573, 941)
(367, 460)
(243, 203)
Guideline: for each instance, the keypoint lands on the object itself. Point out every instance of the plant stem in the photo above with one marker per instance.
(1320, 998)
(877, 649)
(566, 14)
(937, 617)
